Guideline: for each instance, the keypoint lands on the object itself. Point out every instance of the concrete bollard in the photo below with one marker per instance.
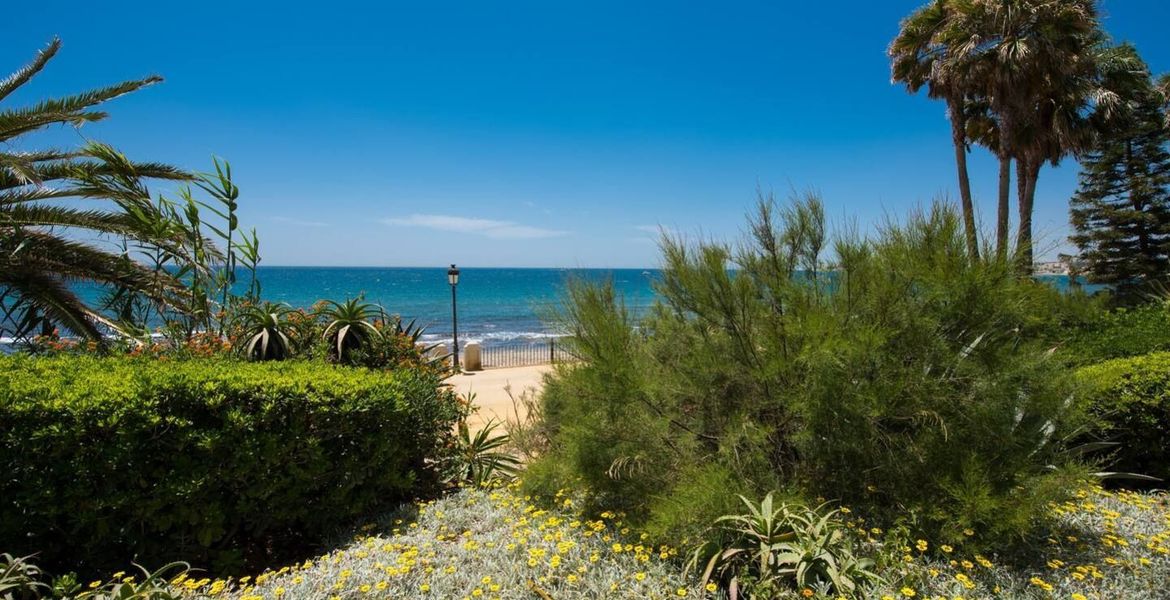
(472, 357)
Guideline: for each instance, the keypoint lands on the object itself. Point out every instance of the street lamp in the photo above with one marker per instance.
(453, 279)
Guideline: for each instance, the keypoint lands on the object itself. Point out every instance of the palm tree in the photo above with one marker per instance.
(1033, 62)
(1034, 58)
(52, 200)
(920, 57)
(1163, 86)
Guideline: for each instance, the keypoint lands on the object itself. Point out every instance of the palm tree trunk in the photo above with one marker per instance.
(1030, 172)
(1005, 192)
(959, 137)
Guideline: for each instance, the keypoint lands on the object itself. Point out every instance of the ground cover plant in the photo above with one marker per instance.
(1103, 544)
(482, 542)
(220, 463)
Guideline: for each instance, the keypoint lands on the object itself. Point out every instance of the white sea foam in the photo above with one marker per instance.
(493, 337)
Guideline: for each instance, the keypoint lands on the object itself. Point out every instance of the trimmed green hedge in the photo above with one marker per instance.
(1119, 333)
(222, 464)
(1132, 396)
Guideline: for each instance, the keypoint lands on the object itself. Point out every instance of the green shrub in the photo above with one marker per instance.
(1132, 398)
(223, 464)
(908, 378)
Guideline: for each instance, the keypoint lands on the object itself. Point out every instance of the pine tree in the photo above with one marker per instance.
(1121, 211)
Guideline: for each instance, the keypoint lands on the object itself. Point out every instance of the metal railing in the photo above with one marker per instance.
(522, 354)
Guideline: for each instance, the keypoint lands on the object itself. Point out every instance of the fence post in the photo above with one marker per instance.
(552, 350)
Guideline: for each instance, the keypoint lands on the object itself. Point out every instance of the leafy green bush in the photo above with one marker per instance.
(1132, 397)
(219, 463)
(907, 378)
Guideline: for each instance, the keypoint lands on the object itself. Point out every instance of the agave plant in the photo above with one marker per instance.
(20, 578)
(350, 326)
(480, 458)
(787, 545)
(264, 327)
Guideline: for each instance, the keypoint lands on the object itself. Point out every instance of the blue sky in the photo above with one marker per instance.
(524, 134)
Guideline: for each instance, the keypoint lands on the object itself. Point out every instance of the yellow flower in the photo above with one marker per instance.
(908, 592)
(94, 584)
(946, 549)
(806, 592)
(278, 592)
(426, 587)
(921, 545)
(681, 591)
(711, 587)
(1040, 583)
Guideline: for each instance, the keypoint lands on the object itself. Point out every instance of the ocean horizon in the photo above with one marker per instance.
(497, 306)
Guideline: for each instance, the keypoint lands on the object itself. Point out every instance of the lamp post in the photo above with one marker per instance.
(453, 279)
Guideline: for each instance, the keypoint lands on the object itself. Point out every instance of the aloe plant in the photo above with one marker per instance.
(264, 325)
(350, 325)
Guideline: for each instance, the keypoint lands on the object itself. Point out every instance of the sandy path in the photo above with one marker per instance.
(489, 385)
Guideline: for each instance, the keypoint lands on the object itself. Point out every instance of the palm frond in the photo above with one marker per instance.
(21, 77)
(69, 110)
(46, 215)
(51, 297)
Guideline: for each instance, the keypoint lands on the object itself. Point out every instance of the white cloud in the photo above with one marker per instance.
(656, 230)
(299, 222)
(500, 230)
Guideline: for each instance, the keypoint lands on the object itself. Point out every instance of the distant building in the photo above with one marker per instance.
(1058, 267)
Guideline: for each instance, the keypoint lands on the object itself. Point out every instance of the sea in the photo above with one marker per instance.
(494, 306)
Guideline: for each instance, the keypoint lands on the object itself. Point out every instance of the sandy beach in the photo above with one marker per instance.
(490, 388)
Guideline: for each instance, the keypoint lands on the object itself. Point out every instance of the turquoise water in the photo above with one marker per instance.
(495, 305)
